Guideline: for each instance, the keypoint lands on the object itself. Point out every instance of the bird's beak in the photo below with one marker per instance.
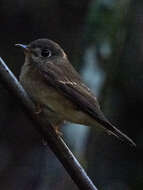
(25, 47)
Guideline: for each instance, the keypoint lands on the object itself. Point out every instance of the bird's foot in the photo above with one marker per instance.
(58, 132)
(38, 109)
(44, 142)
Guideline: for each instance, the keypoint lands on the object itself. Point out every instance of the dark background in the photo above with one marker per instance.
(106, 33)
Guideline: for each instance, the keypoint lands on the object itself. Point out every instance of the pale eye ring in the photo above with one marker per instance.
(46, 53)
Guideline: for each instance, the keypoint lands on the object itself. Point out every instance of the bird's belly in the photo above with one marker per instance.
(52, 99)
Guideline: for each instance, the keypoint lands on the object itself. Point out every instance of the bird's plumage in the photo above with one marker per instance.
(58, 74)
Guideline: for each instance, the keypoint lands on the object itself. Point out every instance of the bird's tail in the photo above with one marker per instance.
(117, 133)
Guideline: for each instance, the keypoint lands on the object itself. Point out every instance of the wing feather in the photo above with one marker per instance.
(67, 81)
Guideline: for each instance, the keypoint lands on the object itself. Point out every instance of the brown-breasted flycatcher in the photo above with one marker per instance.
(53, 83)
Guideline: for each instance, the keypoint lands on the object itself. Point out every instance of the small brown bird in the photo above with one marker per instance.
(57, 89)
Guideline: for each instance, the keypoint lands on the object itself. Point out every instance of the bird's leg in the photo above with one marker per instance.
(56, 128)
(38, 109)
(58, 131)
(44, 142)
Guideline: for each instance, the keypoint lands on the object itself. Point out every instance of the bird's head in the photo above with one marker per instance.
(43, 50)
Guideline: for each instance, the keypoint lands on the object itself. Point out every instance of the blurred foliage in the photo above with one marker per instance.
(105, 21)
(119, 24)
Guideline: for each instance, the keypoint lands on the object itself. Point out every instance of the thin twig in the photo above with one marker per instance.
(56, 143)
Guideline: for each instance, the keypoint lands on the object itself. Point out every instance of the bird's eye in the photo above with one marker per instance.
(46, 53)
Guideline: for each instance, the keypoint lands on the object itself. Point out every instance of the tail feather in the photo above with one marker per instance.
(117, 133)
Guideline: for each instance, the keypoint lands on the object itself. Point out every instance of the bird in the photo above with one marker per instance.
(57, 89)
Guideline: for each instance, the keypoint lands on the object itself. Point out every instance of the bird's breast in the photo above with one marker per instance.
(41, 92)
(49, 97)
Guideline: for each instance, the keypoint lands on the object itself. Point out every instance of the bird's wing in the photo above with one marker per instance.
(66, 80)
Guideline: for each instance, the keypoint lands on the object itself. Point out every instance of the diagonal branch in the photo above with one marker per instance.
(56, 143)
